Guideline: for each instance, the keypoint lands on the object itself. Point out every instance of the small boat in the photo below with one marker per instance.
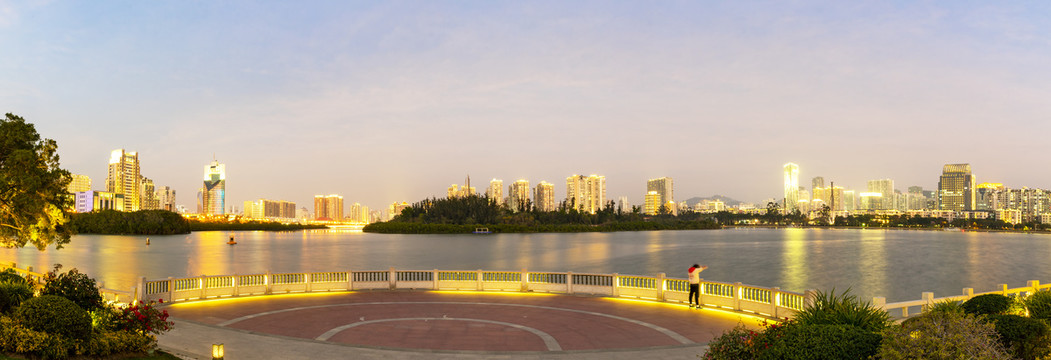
(231, 242)
(482, 231)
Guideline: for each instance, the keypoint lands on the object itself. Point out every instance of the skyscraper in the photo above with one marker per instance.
(886, 200)
(665, 188)
(495, 192)
(544, 196)
(791, 187)
(213, 194)
(586, 193)
(124, 178)
(817, 182)
(518, 195)
(328, 207)
(956, 188)
(653, 203)
(79, 183)
(148, 199)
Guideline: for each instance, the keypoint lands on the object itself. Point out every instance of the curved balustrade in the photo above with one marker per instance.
(770, 302)
(908, 308)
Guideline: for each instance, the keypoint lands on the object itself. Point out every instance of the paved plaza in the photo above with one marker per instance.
(408, 324)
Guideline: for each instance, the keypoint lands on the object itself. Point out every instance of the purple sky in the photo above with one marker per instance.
(395, 101)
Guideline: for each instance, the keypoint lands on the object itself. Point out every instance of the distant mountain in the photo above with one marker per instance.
(728, 201)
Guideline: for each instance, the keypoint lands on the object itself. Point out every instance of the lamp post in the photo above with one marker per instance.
(217, 352)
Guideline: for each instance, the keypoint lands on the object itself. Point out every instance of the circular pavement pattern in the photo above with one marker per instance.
(473, 321)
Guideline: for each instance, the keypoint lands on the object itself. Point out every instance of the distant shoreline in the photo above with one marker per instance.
(1040, 232)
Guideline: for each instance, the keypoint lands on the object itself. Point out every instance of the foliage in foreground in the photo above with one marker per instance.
(73, 285)
(942, 335)
(988, 304)
(830, 308)
(33, 197)
(12, 294)
(1039, 305)
(55, 315)
(1025, 338)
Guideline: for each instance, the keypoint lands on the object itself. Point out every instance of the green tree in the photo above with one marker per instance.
(33, 195)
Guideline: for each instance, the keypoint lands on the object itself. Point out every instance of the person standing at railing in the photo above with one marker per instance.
(695, 285)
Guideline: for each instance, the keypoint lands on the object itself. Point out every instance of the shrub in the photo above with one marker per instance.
(942, 335)
(946, 306)
(10, 275)
(13, 293)
(15, 338)
(1025, 338)
(1039, 305)
(106, 318)
(74, 286)
(55, 315)
(988, 304)
(736, 343)
(843, 309)
(144, 318)
(106, 343)
(823, 341)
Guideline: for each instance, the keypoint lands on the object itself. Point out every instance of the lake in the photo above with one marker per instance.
(897, 264)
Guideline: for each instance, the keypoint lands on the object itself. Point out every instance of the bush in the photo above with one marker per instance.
(12, 276)
(12, 294)
(942, 335)
(74, 286)
(106, 343)
(106, 318)
(736, 343)
(1025, 338)
(55, 315)
(1039, 305)
(15, 338)
(946, 306)
(988, 304)
(823, 341)
(144, 319)
(843, 309)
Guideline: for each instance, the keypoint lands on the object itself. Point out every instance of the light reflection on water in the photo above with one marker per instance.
(896, 264)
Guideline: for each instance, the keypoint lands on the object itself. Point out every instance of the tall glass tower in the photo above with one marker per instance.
(213, 194)
(124, 178)
(956, 188)
(791, 187)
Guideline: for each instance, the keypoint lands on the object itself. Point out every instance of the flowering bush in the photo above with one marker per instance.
(144, 318)
(736, 343)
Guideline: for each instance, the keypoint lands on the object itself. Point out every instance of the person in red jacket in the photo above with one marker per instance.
(695, 285)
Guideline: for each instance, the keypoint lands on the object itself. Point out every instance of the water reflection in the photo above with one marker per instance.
(794, 259)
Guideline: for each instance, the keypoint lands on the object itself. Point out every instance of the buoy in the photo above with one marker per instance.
(147, 241)
(231, 242)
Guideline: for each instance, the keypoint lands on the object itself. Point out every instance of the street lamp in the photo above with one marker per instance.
(217, 352)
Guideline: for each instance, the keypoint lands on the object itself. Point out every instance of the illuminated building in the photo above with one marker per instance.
(803, 204)
(586, 193)
(956, 188)
(791, 187)
(815, 183)
(917, 200)
(886, 200)
(395, 209)
(871, 201)
(79, 183)
(149, 199)
(88, 201)
(544, 196)
(495, 192)
(270, 209)
(664, 187)
(518, 195)
(124, 178)
(830, 196)
(457, 192)
(328, 207)
(213, 194)
(849, 200)
(623, 205)
(359, 213)
(653, 203)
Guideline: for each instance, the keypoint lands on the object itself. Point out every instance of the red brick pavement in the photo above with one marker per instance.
(466, 320)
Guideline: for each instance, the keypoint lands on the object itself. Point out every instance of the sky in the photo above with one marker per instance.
(394, 101)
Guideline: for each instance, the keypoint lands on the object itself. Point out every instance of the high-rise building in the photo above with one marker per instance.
(149, 196)
(79, 183)
(653, 203)
(124, 178)
(495, 192)
(518, 195)
(328, 207)
(850, 200)
(956, 188)
(791, 187)
(623, 205)
(664, 187)
(270, 209)
(213, 194)
(817, 182)
(586, 193)
(459, 192)
(886, 200)
(395, 209)
(544, 196)
(990, 196)
(166, 198)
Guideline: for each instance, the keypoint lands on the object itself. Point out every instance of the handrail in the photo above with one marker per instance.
(762, 301)
(927, 299)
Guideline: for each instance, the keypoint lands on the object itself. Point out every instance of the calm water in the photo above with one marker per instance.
(896, 264)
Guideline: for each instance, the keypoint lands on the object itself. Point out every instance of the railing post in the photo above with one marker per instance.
(1003, 289)
(775, 301)
(661, 286)
(1034, 285)
(140, 293)
(968, 292)
(392, 278)
(700, 291)
(525, 280)
(616, 285)
(928, 299)
(879, 302)
(569, 282)
(202, 282)
(171, 289)
(236, 284)
(309, 280)
(268, 280)
(350, 281)
(737, 296)
(435, 277)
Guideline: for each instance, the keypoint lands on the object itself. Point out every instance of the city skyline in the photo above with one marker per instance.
(391, 102)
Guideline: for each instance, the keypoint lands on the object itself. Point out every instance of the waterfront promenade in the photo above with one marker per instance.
(403, 324)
